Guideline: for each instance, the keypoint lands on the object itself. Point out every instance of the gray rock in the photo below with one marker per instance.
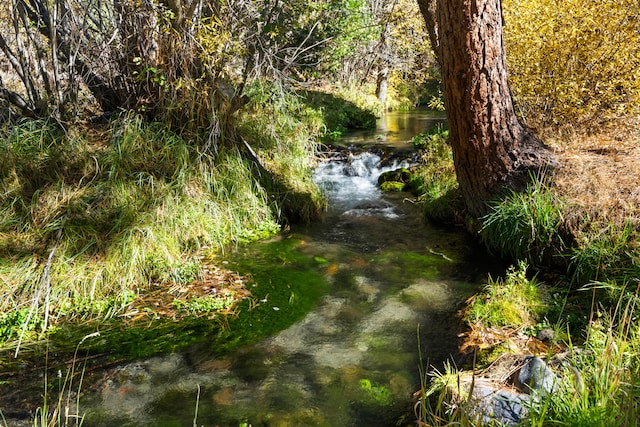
(545, 335)
(535, 375)
(504, 406)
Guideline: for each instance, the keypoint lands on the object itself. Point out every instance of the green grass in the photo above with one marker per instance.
(516, 301)
(526, 225)
(608, 253)
(283, 131)
(90, 221)
(531, 225)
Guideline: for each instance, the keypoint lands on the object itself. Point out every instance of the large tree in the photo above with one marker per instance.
(492, 150)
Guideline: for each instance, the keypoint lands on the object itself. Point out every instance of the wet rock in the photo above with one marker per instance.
(396, 180)
(398, 175)
(393, 186)
(503, 399)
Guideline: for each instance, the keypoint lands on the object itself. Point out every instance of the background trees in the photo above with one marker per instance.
(187, 62)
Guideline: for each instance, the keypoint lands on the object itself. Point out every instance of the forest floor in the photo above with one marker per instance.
(599, 176)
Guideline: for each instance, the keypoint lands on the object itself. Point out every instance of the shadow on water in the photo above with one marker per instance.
(341, 302)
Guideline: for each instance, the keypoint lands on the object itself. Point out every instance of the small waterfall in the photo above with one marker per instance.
(350, 182)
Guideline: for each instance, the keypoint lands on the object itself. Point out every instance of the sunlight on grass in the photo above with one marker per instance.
(88, 224)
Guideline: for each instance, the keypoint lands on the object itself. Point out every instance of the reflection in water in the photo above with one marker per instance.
(396, 129)
(352, 360)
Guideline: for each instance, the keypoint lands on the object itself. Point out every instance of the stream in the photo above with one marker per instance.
(353, 301)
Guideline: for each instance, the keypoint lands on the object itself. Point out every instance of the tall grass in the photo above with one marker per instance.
(607, 253)
(87, 224)
(283, 131)
(601, 382)
(526, 225)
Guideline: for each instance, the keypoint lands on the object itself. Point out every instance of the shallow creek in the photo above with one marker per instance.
(386, 285)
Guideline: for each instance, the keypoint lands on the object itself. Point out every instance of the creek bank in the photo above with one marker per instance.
(154, 325)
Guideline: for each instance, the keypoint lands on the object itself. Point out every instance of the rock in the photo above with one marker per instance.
(498, 405)
(493, 397)
(487, 401)
(535, 375)
(402, 175)
(545, 335)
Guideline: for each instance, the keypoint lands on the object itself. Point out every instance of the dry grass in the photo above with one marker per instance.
(599, 175)
(159, 301)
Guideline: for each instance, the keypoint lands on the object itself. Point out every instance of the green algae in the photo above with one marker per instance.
(288, 286)
(404, 267)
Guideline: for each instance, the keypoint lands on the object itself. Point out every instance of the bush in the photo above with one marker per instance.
(573, 61)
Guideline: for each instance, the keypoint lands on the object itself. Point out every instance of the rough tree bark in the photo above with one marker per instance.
(492, 150)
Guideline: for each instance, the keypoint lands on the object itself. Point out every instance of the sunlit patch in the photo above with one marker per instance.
(331, 270)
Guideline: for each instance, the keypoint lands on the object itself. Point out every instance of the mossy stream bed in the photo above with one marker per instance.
(331, 340)
(329, 336)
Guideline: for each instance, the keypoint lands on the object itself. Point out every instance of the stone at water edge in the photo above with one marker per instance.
(495, 398)
(535, 375)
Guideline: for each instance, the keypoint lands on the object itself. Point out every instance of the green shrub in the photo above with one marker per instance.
(433, 141)
(343, 110)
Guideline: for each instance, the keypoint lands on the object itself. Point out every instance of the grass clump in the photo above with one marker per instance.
(526, 225)
(515, 301)
(609, 253)
(91, 221)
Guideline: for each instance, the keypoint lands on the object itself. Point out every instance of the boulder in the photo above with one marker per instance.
(534, 376)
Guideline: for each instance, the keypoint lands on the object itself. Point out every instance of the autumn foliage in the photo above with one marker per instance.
(573, 62)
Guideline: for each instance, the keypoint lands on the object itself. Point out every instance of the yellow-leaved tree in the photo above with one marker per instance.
(573, 62)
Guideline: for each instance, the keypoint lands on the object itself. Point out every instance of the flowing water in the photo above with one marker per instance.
(386, 287)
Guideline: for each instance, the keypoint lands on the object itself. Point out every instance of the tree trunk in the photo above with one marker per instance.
(492, 150)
